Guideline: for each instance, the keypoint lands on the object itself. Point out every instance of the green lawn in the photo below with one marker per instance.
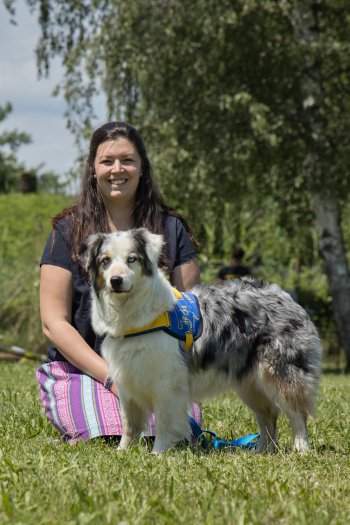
(93, 483)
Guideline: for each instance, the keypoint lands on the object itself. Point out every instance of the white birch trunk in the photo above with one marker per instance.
(331, 247)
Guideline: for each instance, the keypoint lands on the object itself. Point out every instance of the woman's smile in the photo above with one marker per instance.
(118, 182)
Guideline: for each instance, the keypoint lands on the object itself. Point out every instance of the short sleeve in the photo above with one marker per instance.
(179, 247)
(222, 272)
(57, 250)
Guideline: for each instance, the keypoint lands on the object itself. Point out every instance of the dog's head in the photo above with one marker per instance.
(116, 261)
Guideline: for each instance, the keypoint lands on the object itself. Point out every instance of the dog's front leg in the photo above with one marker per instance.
(171, 421)
(133, 422)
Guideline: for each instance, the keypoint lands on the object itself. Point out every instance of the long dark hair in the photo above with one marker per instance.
(89, 214)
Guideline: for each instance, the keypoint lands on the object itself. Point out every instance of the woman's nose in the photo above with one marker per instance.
(117, 166)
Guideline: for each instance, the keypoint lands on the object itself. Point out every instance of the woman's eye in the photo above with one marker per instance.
(131, 260)
(105, 262)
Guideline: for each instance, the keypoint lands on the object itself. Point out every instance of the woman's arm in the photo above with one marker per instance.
(55, 309)
(186, 275)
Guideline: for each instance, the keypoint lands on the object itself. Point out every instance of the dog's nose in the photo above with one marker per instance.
(116, 281)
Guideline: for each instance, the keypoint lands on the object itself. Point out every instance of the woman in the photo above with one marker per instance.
(117, 193)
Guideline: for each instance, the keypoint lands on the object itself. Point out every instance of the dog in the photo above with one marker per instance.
(255, 338)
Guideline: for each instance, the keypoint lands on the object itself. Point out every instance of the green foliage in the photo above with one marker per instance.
(24, 227)
(10, 141)
(49, 182)
(46, 483)
(230, 92)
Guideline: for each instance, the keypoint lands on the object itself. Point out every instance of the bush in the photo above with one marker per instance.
(24, 227)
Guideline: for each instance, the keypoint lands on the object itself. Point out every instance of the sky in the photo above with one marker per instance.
(35, 110)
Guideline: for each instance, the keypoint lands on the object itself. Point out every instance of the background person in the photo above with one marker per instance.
(117, 193)
(236, 268)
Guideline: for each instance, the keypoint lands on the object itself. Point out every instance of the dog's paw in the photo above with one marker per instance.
(157, 453)
(125, 442)
(301, 444)
(159, 448)
(266, 448)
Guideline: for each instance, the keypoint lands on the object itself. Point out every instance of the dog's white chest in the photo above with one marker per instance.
(144, 366)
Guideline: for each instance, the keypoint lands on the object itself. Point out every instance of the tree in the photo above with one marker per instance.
(245, 100)
(10, 170)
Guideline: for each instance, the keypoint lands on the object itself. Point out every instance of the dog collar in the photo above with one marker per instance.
(184, 322)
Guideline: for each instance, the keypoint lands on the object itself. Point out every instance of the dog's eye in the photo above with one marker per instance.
(131, 260)
(105, 262)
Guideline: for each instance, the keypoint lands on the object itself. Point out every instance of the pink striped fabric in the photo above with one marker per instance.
(80, 407)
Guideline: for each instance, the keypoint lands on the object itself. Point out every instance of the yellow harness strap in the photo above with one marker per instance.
(177, 293)
(162, 320)
(188, 341)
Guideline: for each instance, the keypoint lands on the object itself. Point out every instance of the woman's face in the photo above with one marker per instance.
(118, 170)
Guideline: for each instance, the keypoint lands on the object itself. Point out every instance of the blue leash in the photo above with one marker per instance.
(249, 441)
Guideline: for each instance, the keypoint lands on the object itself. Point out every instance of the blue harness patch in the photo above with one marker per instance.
(183, 322)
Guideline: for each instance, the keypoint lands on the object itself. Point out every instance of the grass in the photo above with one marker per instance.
(43, 483)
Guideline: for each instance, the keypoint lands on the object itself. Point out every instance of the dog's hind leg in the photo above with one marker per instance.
(267, 421)
(298, 423)
(266, 414)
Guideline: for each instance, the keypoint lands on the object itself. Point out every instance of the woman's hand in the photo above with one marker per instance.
(114, 390)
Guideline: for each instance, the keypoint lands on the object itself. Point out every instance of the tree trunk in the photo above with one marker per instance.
(331, 247)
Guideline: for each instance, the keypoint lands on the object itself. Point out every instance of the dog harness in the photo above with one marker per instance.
(183, 322)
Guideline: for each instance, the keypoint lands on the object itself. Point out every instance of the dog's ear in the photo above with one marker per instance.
(150, 245)
(89, 250)
(154, 246)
